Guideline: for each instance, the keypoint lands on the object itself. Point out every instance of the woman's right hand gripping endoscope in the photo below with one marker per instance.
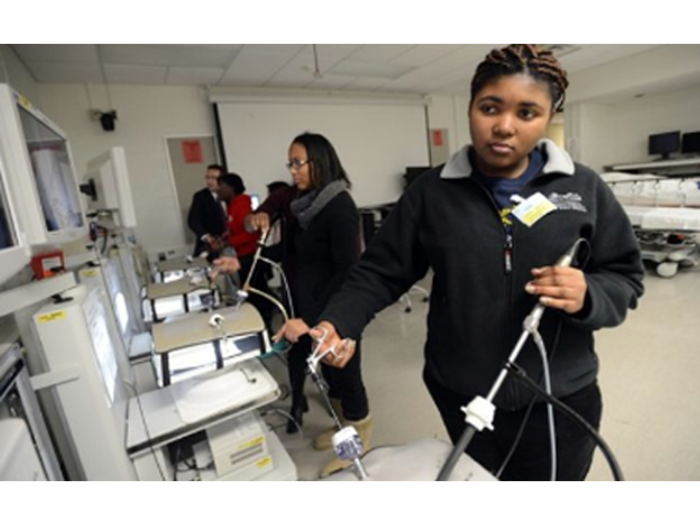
(347, 444)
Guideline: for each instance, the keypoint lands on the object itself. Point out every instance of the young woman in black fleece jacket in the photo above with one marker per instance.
(491, 267)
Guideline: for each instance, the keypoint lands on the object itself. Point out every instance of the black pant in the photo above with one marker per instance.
(259, 282)
(531, 460)
(212, 255)
(344, 384)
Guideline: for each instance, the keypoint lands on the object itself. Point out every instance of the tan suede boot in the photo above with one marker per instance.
(364, 428)
(323, 440)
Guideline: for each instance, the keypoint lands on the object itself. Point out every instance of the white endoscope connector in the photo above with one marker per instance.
(216, 321)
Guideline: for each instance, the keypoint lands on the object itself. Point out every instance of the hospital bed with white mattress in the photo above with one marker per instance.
(666, 216)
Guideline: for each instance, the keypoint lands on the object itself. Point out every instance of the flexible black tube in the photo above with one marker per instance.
(456, 453)
(521, 376)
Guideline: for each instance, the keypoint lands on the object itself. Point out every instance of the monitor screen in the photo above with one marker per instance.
(103, 346)
(691, 142)
(110, 176)
(665, 143)
(116, 291)
(14, 249)
(53, 172)
(7, 235)
(413, 172)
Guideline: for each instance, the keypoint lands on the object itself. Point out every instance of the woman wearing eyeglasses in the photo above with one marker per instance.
(321, 235)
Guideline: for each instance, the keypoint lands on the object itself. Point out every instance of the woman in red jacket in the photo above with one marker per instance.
(232, 191)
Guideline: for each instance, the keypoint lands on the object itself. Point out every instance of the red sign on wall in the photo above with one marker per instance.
(192, 151)
(437, 137)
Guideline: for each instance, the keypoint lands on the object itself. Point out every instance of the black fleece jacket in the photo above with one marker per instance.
(449, 222)
(316, 260)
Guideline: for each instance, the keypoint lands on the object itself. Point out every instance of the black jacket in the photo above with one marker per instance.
(449, 222)
(206, 216)
(316, 260)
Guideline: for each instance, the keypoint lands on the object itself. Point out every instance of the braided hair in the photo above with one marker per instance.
(528, 59)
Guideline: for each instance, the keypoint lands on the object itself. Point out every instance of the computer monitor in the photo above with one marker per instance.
(108, 275)
(53, 171)
(8, 234)
(665, 143)
(413, 172)
(41, 173)
(691, 142)
(14, 251)
(108, 187)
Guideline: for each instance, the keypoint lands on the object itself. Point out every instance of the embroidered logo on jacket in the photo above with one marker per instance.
(568, 201)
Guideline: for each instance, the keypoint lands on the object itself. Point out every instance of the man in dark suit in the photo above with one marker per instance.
(207, 216)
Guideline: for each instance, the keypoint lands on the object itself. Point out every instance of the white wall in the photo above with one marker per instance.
(375, 141)
(146, 116)
(585, 129)
(451, 113)
(618, 133)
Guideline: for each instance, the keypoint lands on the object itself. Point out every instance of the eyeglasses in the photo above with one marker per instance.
(297, 164)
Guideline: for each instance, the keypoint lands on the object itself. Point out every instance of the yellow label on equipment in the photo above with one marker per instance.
(252, 443)
(89, 273)
(24, 101)
(264, 462)
(52, 317)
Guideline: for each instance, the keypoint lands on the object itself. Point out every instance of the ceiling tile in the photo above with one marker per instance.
(192, 55)
(418, 68)
(367, 83)
(252, 64)
(288, 50)
(449, 46)
(289, 82)
(217, 45)
(330, 82)
(118, 74)
(331, 54)
(337, 51)
(356, 68)
(591, 55)
(242, 82)
(297, 71)
(425, 53)
(57, 52)
(193, 76)
(64, 73)
(381, 52)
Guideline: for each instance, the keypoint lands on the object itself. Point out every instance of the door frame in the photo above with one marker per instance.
(171, 171)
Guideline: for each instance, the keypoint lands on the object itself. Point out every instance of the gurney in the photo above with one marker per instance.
(665, 214)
